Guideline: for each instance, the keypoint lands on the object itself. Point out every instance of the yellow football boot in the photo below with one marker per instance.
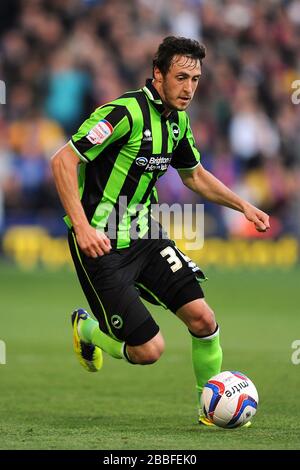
(89, 355)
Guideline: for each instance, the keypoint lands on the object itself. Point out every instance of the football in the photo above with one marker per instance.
(229, 399)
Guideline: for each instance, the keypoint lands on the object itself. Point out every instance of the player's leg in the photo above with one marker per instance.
(124, 327)
(206, 348)
(144, 345)
(176, 286)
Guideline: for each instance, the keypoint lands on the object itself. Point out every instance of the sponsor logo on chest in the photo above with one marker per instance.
(153, 163)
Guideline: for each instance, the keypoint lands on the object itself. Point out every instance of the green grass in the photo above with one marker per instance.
(49, 402)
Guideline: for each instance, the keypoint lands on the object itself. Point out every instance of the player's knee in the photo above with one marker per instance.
(150, 356)
(147, 353)
(204, 322)
(151, 352)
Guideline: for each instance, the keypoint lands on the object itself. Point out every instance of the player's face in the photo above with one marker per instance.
(178, 86)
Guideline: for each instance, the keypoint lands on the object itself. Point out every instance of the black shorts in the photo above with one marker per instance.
(113, 284)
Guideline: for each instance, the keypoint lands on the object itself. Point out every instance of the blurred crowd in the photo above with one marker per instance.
(59, 59)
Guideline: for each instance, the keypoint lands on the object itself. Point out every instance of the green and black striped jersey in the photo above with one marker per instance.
(124, 147)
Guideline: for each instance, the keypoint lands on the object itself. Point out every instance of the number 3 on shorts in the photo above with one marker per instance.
(172, 259)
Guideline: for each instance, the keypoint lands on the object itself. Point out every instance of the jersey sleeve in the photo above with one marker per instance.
(186, 156)
(104, 127)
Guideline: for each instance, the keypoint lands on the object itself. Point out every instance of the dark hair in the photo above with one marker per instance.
(172, 46)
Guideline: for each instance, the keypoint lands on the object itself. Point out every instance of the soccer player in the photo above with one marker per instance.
(105, 176)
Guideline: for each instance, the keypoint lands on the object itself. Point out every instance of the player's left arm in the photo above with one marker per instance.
(211, 188)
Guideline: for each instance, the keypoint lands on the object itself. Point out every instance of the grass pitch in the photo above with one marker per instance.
(49, 402)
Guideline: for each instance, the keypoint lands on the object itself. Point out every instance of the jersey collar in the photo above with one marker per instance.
(153, 95)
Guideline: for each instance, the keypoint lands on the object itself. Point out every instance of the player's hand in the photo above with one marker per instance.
(258, 217)
(92, 242)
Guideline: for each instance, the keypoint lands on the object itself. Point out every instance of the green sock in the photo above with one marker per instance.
(207, 359)
(90, 332)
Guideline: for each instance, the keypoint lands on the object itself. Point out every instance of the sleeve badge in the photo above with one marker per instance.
(100, 132)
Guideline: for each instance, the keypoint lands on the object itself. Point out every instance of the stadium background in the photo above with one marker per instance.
(58, 61)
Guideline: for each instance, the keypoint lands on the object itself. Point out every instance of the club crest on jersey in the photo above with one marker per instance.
(100, 132)
(175, 130)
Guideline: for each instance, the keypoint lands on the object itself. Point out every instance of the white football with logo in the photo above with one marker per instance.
(229, 399)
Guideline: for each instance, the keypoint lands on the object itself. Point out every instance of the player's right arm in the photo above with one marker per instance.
(64, 167)
(105, 126)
